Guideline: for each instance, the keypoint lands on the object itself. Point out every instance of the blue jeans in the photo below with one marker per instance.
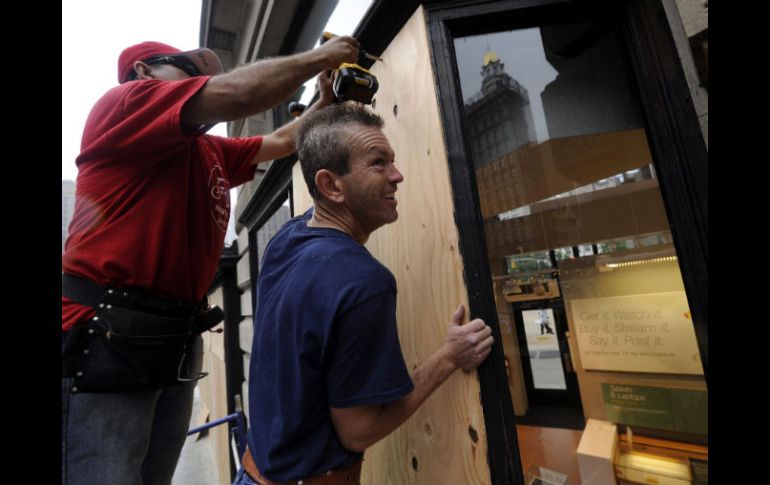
(125, 438)
(241, 478)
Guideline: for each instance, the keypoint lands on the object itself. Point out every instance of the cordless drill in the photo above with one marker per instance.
(351, 81)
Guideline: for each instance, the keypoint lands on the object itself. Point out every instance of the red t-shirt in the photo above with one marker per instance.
(152, 202)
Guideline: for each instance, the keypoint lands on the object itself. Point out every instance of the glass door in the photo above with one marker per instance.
(587, 284)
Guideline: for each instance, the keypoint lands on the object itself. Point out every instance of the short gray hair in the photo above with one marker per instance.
(319, 144)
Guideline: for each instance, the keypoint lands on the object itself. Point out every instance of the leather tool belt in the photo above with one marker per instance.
(134, 342)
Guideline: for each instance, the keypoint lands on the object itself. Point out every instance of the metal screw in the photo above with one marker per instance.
(109, 306)
(101, 305)
(79, 374)
(74, 389)
(96, 318)
(91, 330)
(110, 292)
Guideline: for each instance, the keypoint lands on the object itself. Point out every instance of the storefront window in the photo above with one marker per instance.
(588, 290)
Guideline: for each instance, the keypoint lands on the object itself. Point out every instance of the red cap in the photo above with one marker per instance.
(204, 59)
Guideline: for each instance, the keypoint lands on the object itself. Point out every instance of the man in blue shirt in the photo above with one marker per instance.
(327, 378)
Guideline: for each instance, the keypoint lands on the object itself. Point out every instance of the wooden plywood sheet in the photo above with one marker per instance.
(220, 439)
(299, 193)
(214, 396)
(421, 249)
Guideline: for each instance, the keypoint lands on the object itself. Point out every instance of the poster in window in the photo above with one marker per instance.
(637, 333)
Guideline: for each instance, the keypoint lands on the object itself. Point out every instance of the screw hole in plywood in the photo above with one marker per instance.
(415, 464)
(474, 434)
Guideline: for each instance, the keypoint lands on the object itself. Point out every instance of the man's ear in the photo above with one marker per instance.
(328, 184)
(143, 71)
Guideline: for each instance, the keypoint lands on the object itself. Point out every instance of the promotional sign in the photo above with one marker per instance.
(684, 410)
(637, 333)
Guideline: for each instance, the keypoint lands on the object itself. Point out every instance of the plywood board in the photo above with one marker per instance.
(421, 249)
(217, 405)
(300, 195)
(213, 393)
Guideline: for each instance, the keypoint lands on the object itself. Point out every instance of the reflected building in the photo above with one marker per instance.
(499, 117)
(502, 136)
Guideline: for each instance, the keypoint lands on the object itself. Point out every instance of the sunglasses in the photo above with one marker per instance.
(180, 62)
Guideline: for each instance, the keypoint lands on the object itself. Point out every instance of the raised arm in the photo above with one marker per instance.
(257, 87)
(466, 347)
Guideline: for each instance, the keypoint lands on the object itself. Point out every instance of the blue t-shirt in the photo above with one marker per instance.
(324, 336)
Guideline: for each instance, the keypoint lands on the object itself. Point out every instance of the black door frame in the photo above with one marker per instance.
(677, 146)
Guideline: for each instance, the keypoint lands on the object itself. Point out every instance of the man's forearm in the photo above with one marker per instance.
(252, 89)
(427, 378)
(271, 80)
(257, 87)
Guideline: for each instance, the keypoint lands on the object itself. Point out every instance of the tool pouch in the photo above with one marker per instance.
(128, 346)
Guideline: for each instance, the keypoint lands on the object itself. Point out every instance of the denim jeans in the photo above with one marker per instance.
(125, 438)
(241, 478)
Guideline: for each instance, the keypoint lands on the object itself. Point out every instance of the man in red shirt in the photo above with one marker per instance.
(151, 211)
